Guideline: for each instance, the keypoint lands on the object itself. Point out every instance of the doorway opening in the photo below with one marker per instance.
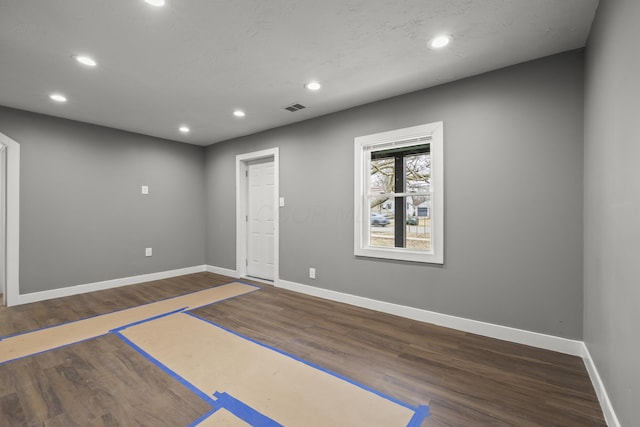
(257, 216)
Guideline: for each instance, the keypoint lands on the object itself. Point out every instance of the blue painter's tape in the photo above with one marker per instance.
(244, 411)
(416, 409)
(166, 369)
(421, 413)
(149, 319)
(51, 349)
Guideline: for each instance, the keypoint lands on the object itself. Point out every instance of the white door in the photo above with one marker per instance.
(260, 218)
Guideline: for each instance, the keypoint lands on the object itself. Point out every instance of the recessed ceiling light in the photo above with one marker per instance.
(156, 3)
(239, 113)
(184, 129)
(85, 60)
(58, 97)
(313, 86)
(439, 42)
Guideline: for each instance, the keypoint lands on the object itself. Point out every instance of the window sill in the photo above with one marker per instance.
(399, 255)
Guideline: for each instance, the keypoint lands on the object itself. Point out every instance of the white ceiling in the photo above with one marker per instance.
(194, 61)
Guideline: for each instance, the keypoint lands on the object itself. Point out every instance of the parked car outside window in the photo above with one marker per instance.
(379, 219)
(413, 220)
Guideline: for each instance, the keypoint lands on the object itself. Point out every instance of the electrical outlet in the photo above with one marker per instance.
(312, 273)
(148, 252)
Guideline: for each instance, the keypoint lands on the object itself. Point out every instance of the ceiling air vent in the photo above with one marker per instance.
(294, 107)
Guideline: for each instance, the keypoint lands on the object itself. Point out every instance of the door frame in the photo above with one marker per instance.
(12, 220)
(242, 160)
(3, 222)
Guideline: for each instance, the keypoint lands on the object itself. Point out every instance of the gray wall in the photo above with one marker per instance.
(612, 203)
(513, 198)
(82, 217)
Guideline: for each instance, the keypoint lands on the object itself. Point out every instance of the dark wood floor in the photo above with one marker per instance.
(467, 380)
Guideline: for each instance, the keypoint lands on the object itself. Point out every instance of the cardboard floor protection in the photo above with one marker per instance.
(30, 343)
(223, 418)
(280, 387)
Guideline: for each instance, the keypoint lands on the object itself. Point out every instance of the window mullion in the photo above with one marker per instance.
(399, 201)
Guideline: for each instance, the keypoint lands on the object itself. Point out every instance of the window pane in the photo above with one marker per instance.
(418, 173)
(382, 176)
(418, 224)
(417, 233)
(381, 230)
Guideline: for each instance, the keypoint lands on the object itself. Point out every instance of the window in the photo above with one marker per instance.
(399, 194)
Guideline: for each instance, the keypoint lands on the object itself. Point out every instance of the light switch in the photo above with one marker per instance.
(148, 252)
(145, 189)
(281, 201)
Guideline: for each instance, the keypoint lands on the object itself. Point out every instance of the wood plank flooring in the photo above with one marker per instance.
(100, 382)
(467, 380)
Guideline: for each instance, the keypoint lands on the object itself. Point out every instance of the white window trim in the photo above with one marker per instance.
(361, 212)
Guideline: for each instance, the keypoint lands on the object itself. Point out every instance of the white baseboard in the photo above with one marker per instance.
(107, 284)
(601, 392)
(222, 271)
(534, 339)
(115, 283)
